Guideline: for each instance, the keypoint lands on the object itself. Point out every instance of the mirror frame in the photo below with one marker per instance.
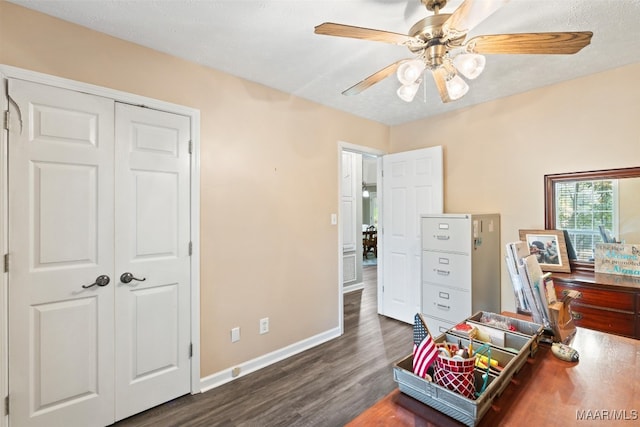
(550, 198)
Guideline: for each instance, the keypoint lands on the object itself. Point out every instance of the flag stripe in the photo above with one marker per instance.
(424, 356)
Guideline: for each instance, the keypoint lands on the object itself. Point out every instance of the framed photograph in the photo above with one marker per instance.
(549, 247)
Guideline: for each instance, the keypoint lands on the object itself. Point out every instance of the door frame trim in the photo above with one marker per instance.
(4, 242)
(7, 71)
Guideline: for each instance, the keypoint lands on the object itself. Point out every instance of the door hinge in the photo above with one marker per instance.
(190, 350)
(6, 120)
(6, 405)
(6, 263)
(190, 248)
(190, 146)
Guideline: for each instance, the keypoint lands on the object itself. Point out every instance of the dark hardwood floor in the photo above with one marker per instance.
(328, 385)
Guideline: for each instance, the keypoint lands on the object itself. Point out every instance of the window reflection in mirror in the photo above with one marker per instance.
(588, 210)
(594, 207)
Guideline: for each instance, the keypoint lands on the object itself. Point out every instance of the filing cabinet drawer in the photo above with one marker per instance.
(446, 234)
(442, 268)
(446, 303)
(437, 327)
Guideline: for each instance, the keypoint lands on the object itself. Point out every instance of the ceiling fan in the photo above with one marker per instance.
(439, 46)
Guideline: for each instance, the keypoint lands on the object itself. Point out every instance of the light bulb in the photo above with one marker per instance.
(469, 65)
(408, 92)
(456, 87)
(410, 71)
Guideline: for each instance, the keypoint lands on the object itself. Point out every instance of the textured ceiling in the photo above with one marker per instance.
(273, 43)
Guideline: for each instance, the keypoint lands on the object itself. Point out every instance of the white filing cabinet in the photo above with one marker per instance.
(460, 267)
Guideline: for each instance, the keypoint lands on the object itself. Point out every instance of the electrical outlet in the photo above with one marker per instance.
(264, 325)
(235, 334)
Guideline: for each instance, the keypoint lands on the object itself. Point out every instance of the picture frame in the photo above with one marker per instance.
(549, 247)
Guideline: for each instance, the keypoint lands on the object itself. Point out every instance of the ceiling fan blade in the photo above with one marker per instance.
(439, 75)
(468, 15)
(341, 30)
(373, 79)
(530, 43)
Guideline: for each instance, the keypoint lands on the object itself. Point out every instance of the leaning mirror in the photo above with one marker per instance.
(593, 207)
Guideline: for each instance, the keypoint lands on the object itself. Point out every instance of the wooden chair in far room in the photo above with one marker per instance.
(370, 241)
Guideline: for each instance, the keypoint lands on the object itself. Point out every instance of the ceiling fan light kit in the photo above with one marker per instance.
(470, 65)
(407, 92)
(410, 70)
(439, 46)
(457, 87)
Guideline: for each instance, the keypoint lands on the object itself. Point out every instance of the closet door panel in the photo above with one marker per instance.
(152, 244)
(61, 241)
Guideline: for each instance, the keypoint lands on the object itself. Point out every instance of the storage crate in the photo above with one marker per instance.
(522, 326)
(524, 342)
(442, 399)
(518, 339)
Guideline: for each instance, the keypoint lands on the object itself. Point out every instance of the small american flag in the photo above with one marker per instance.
(424, 348)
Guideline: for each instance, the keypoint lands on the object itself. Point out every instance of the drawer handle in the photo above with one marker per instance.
(443, 272)
(442, 237)
(441, 329)
(565, 292)
(446, 307)
(576, 315)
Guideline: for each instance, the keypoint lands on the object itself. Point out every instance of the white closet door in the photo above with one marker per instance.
(85, 205)
(412, 185)
(60, 240)
(152, 244)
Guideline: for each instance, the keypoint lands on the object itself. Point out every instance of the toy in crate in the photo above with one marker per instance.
(449, 365)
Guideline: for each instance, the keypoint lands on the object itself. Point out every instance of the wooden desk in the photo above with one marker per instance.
(547, 391)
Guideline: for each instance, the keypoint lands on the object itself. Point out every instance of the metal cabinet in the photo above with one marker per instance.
(460, 267)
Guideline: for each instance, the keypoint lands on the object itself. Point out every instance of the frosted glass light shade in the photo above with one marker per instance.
(469, 65)
(457, 87)
(410, 71)
(408, 92)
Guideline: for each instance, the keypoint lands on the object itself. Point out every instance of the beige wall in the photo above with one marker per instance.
(496, 154)
(269, 170)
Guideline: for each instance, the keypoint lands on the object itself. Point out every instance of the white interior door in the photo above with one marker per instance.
(97, 189)
(351, 243)
(152, 244)
(61, 360)
(412, 185)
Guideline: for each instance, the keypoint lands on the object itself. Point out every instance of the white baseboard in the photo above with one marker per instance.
(354, 287)
(223, 377)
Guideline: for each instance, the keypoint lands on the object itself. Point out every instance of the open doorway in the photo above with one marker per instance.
(412, 185)
(369, 211)
(359, 217)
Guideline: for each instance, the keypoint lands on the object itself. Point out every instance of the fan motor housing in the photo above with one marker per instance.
(431, 5)
(429, 27)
